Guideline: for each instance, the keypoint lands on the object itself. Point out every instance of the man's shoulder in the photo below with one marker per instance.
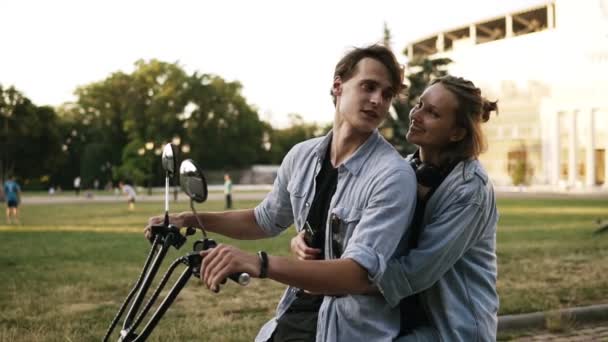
(309, 144)
(386, 157)
(303, 149)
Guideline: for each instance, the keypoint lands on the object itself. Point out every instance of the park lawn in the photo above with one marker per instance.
(66, 270)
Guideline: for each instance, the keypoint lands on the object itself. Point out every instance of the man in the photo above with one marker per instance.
(353, 193)
(12, 193)
(228, 191)
(130, 193)
(77, 185)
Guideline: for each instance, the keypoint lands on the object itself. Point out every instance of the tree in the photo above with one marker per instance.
(124, 120)
(30, 136)
(280, 141)
(125, 110)
(223, 130)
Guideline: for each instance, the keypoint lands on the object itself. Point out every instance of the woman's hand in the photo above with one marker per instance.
(224, 260)
(300, 249)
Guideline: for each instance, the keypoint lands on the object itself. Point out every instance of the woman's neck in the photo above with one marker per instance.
(430, 156)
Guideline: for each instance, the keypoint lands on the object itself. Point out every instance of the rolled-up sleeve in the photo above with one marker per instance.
(383, 222)
(274, 214)
(442, 243)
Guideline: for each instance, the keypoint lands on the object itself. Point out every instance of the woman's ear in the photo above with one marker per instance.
(458, 133)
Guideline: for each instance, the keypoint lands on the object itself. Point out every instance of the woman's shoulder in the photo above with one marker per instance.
(469, 182)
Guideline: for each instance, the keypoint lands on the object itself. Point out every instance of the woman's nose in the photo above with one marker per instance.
(415, 114)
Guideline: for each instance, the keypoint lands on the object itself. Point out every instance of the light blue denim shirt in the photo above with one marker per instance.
(454, 266)
(375, 200)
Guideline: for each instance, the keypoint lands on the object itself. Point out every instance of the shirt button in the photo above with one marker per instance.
(307, 204)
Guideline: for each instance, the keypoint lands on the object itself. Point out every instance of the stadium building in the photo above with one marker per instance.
(548, 67)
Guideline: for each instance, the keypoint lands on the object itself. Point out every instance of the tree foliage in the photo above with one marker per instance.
(280, 141)
(125, 119)
(30, 138)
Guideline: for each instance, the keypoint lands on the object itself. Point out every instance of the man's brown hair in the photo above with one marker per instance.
(347, 66)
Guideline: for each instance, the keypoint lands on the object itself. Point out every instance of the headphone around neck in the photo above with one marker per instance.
(427, 175)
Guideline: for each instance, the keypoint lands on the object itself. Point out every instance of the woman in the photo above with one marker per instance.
(449, 263)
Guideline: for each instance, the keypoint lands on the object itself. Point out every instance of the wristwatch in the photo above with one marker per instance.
(263, 264)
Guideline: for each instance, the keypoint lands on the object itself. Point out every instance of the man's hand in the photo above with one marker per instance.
(176, 220)
(300, 249)
(224, 260)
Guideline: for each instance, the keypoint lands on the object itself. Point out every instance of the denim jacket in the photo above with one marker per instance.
(454, 266)
(374, 201)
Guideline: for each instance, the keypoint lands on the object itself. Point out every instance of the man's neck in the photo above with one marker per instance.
(345, 142)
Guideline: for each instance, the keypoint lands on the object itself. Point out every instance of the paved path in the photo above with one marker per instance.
(593, 333)
(42, 199)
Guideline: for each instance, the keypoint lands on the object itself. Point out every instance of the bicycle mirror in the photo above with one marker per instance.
(193, 181)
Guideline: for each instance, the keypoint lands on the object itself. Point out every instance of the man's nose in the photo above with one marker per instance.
(376, 98)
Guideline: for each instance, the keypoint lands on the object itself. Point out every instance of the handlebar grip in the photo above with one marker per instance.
(240, 278)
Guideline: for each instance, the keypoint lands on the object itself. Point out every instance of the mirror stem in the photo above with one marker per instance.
(167, 192)
(197, 219)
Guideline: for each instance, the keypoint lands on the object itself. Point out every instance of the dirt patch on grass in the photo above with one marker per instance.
(76, 308)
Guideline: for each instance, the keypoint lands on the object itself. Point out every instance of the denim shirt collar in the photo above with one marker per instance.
(354, 163)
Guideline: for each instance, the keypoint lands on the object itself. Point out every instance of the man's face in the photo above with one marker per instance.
(363, 101)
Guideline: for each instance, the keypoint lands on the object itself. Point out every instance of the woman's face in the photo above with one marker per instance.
(433, 120)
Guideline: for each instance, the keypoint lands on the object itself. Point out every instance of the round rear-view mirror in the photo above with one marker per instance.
(193, 181)
(169, 159)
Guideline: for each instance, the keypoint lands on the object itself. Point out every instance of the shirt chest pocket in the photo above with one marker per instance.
(342, 224)
(299, 204)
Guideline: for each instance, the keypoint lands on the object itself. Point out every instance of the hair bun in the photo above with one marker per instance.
(488, 107)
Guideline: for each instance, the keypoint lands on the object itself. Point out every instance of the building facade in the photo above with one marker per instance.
(548, 67)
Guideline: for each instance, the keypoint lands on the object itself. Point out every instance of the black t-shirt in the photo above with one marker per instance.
(412, 312)
(300, 321)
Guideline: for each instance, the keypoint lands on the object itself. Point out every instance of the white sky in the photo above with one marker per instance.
(283, 52)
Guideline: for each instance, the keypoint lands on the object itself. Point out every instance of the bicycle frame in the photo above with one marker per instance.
(166, 236)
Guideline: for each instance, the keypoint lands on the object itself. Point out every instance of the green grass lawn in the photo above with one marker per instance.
(65, 271)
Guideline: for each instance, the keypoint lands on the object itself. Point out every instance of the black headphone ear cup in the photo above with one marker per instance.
(414, 164)
(428, 175)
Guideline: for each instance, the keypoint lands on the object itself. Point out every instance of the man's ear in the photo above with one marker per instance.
(458, 133)
(336, 87)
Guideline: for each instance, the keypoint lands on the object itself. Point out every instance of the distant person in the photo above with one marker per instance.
(129, 191)
(51, 190)
(12, 194)
(96, 184)
(228, 191)
(77, 185)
